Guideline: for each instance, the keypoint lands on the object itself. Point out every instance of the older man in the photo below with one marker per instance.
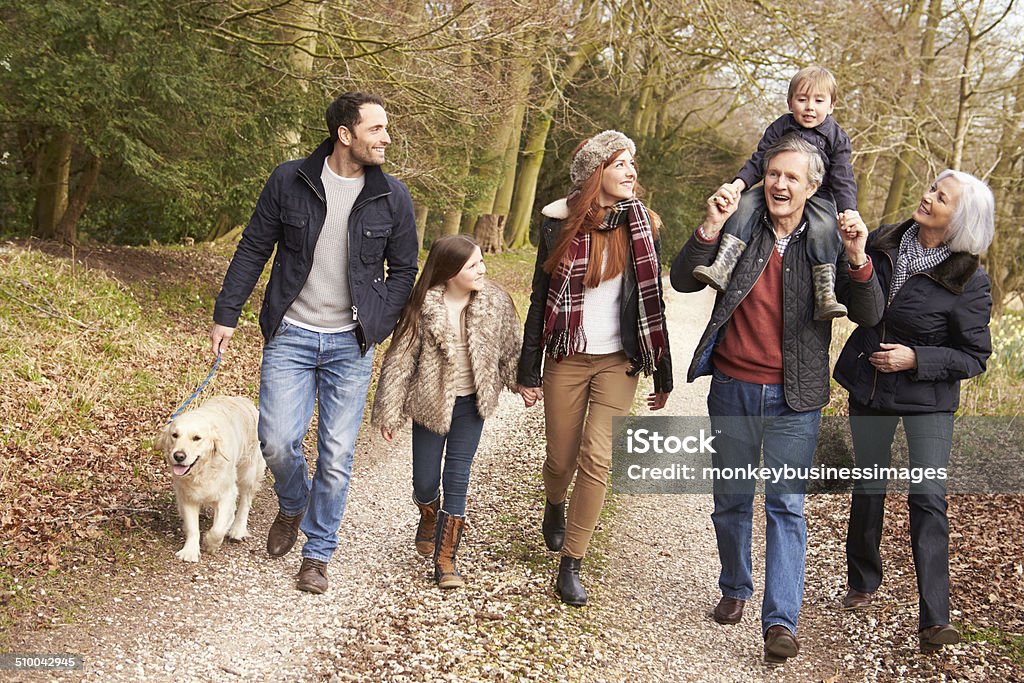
(769, 363)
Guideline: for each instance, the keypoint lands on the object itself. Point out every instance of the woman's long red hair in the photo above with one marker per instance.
(607, 248)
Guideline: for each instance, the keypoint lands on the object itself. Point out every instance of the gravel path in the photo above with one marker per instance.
(652, 574)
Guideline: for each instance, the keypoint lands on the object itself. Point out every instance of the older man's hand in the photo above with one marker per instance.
(854, 235)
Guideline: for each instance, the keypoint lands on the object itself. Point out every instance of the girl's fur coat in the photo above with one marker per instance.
(418, 377)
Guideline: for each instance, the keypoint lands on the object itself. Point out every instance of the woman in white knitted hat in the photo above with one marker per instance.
(596, 322)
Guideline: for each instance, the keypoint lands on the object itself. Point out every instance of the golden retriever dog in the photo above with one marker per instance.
(215, 460)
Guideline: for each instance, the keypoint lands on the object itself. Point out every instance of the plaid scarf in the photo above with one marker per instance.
(563, 315)
(914, 258)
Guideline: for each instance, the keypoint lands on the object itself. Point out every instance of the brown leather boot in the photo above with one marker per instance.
(312, 576)
(446, 545)
(427, 528)
(282, 534)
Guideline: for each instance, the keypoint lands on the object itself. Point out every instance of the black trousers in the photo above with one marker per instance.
(929, 438)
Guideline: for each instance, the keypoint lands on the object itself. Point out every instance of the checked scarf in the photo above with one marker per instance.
(913, 258)
(563, 315)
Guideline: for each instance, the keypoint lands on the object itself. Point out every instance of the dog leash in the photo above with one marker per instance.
(195, 393)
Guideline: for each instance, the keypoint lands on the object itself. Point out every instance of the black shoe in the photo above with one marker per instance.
(553, 526)
(568, 585)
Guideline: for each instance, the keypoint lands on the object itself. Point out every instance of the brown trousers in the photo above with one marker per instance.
(582, 394)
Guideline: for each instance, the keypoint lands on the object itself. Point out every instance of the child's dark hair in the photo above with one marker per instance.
(446, 258)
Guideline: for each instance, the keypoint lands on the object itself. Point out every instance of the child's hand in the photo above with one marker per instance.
(731, 191)
(854, 234)
(388, 435)
(531, 395)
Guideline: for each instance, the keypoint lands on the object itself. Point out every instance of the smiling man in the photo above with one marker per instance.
(769, 363)
(331, 220)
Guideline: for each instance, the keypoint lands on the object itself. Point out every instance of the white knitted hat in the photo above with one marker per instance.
(594, 151)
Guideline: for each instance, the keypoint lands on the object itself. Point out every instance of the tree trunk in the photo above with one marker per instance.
(422, 211)
(503, 195)
(586, 47)
(901, 170)
(52, 179)
(220, 227)
(526, 183)
(452, 222)
(488, 233)
(67, 228)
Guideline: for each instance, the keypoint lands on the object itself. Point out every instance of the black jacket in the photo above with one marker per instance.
(289, 215)
(531, 358)
(806, 341)
(942, 314)
(833, 145)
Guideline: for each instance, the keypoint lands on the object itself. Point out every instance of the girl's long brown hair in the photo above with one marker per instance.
(608, 249)
(445, 259)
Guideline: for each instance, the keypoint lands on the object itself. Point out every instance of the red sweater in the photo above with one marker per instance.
(751, 349)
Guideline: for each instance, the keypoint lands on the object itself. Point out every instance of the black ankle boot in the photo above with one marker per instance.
(568, 585)
(553, 526)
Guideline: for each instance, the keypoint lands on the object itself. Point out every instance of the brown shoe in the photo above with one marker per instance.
(934, 637)
(283, 533)
(446, 546)
(312, 576)
(425, 532)
(856, 600)
(729, 610)
(779, 645)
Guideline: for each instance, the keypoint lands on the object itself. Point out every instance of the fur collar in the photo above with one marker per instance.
(954, 273)
(484, 307)
(558, 210)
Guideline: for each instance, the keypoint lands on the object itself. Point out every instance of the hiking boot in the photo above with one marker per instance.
(426, 530)
(446, 546)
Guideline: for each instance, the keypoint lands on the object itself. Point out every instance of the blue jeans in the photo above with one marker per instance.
(458, 447)
(301, 368)
(753, 417)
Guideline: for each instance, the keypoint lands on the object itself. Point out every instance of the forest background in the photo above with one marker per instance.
(140, 122)
(154, 121)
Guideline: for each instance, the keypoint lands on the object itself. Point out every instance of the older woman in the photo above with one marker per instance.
(932, 334)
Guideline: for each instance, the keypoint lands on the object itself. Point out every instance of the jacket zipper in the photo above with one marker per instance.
(348, 237)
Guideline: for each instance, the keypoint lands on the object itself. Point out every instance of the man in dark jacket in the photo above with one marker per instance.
(769, 360)
(334, 219)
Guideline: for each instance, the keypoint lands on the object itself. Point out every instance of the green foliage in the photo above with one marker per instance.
(137, 85)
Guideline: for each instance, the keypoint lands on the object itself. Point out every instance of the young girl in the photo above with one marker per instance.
(596, 322)
(455, 347)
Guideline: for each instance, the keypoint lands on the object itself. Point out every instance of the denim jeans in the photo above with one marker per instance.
(456, 448)
(929, 439)
(301, 368)
(753, 417)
